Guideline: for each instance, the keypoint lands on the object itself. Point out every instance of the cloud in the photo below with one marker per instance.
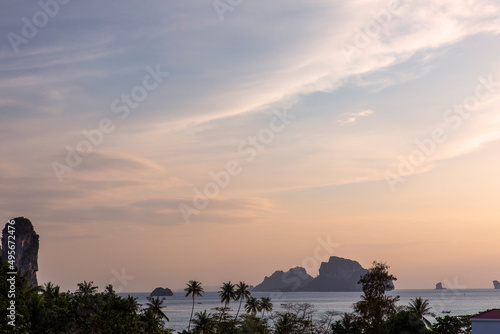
(269, 63)
(354, 116)
(76, 66)
(226, 80)
(311, 61)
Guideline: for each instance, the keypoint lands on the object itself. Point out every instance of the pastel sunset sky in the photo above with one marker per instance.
(223, 140)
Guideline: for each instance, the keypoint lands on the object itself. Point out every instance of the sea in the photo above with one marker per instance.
(443, 302)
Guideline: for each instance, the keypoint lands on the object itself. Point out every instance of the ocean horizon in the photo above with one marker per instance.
(443, 302)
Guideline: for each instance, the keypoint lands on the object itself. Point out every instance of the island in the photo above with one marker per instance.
(439, 286)
(338, 274)
(161, 292)
(292, 280)
(496, 284)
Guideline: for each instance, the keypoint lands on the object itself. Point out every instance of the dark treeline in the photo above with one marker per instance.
(47, 310)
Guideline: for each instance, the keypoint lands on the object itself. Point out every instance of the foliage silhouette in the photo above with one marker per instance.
(193, 288)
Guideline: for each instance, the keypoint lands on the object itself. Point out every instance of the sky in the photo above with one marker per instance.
(156, 142)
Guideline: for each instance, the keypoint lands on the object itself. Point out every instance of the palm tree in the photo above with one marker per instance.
(252, 306)
(86, 288)
(204, 322)
(153, 314)
(109, 290)
(266, 305)
(51, 291)
(152, 323)
(155, 305)
(132, 303)
(226, 294)
(193, 288)
(421, 308)
(242, 292)
(286, 323)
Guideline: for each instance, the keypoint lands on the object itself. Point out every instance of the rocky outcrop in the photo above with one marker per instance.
(496, 284)
(159, 292)
(338, 274)
(26, 250)
(439, 286)
(293, 280)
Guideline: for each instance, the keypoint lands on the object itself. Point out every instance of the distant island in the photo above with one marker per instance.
(160, 292)
(293, 280)
(439, 286)
(338, 274)
(496, 284)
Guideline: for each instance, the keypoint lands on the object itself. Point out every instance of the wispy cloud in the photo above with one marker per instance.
(227, 78)
(352, 117)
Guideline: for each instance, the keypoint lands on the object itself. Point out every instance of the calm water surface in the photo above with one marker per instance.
(458, 302)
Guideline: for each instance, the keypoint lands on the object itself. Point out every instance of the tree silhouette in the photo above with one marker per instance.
(154, 314)
(86, 288)
(286, 323)
(204, 322)
(51, 291)
(155, 305)
(193, 288)
(226, 294)
(375, 307)
(242, 293)
(252, 306)
(421, 308)
(266, 305)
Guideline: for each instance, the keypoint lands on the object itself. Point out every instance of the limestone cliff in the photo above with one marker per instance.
(496, 284)
(26, 251)
(338, 274)
(293, 280)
